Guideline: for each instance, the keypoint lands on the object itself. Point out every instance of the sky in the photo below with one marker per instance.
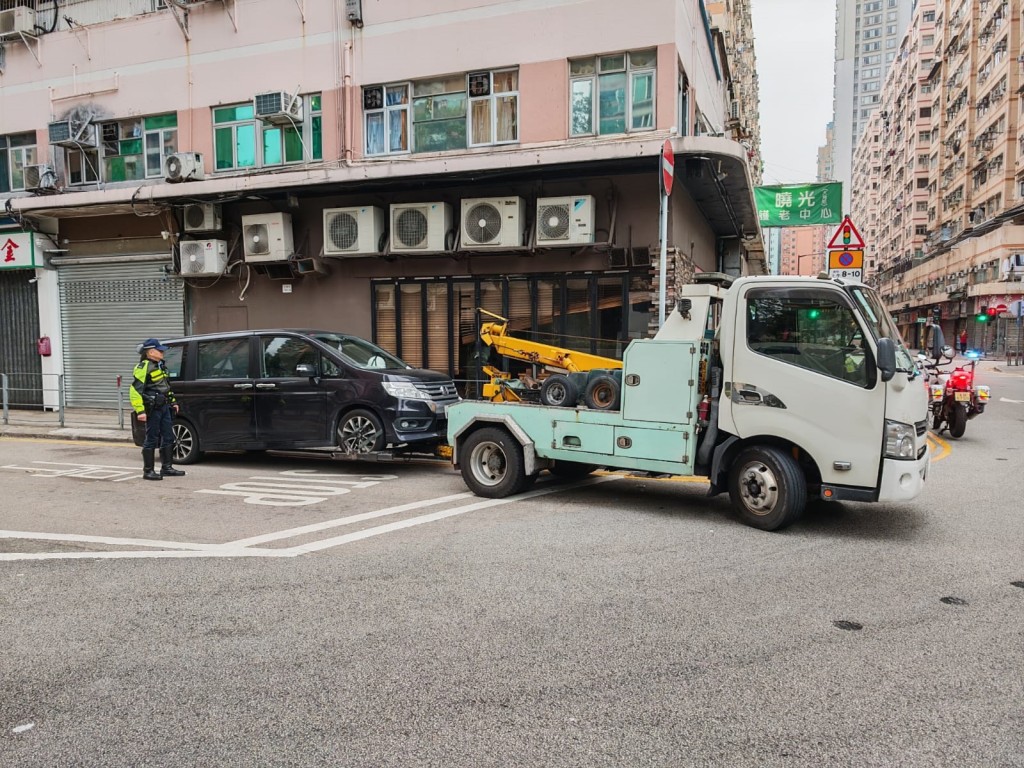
(794, 41)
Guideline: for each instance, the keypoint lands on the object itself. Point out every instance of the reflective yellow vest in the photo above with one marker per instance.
(149, 379)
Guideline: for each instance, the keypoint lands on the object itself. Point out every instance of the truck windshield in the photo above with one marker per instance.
(880, 324)
(360, 352)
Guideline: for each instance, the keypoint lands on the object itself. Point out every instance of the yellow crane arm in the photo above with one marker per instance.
(556, 358)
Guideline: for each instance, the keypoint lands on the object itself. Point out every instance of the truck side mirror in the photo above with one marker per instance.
(938, 342)
(886, 358)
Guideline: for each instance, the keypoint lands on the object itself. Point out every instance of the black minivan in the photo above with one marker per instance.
(283, 389)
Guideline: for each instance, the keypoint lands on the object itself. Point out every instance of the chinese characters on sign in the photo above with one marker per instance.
(17, 250)
(8, 249)
(799, 205)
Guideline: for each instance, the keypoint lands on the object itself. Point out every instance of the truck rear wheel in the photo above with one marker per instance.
(767, 487)
(602, 393)
(559, 390)
(492, 463)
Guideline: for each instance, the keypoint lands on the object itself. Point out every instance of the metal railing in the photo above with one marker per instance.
(35, 398)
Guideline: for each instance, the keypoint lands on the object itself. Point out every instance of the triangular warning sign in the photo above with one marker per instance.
(846, 237)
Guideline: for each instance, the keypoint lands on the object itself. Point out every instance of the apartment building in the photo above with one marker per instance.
(802, 250)
(185, 166)
(868, 33)
(947, 232)
(826, 171)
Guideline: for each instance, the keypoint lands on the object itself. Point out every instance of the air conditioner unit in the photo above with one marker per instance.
(203, 257)
(15, 22)
(72, 133)
(278, 107)
(40, 178)
(420, 227)
(202, 217)
(183, 166)
(493, 222)
(267, 237)
(565, 220)
(353, 231)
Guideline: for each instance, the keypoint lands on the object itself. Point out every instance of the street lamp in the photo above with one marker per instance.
(799, 260)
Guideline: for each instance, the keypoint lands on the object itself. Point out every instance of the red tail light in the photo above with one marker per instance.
(961, 380)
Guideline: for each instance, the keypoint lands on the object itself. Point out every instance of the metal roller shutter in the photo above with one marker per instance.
(105, 311)
(18, 333)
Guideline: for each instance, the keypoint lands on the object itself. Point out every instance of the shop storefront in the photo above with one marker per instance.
(19, 332)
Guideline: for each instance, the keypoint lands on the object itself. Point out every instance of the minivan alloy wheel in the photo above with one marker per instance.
(360, 432)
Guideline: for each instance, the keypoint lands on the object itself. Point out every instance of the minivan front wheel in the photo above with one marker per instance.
(360, 431)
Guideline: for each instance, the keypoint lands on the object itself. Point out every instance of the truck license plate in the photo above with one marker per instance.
(961, 396)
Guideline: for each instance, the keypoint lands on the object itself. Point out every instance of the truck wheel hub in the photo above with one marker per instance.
(759, 489)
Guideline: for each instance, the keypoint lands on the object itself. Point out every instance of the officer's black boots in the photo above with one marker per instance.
(148, 459)
(166, 470)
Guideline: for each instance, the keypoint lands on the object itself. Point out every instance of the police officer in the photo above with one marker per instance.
(154, 404)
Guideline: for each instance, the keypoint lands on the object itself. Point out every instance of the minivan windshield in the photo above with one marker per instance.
(360, 352)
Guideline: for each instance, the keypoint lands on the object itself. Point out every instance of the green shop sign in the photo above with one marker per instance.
(799, 205)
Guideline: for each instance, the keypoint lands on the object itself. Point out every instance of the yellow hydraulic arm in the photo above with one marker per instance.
(552, 358)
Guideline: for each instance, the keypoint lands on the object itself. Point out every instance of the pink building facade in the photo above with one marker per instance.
(153, 145)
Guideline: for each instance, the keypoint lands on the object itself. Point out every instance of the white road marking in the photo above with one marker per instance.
(1008, 400)
(241, 548)
(88, 471)
(114, 541)
(23, 728)
(296, 488)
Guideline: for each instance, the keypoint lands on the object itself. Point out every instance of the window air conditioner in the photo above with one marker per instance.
(183, 166)
(40, 178)
(278, 107)
(202, 217)
(565, 220)
(203, 257)
(267, 237)
(71, 133)
(420, 227)
(15, 22)
(353, 231)
(492, 222)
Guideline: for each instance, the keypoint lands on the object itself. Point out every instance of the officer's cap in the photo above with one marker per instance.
(152, 344)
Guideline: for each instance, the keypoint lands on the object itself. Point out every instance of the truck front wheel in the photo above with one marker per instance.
(492, 463)
(767, 487)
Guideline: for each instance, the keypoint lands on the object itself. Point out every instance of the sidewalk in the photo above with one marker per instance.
(79, 424)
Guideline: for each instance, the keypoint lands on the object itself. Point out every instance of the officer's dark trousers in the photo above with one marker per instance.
(158, 427)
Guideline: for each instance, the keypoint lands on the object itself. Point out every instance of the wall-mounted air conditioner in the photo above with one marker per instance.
(267, 237)
(203, 257)
(71, 133)
(40, 178)
(15, 22)
(278, 107)
(565, 220)
(202, 217)
(184, 166)
(420, 227)
(353, 231)
(492, 222)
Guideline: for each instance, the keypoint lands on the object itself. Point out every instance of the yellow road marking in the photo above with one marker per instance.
(940, 448)
(672, 479)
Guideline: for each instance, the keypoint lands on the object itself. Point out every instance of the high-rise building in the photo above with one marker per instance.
(826, 170)
(868, 35)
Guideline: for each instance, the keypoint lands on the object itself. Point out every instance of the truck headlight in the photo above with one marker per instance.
(404, 390)
(899, 440)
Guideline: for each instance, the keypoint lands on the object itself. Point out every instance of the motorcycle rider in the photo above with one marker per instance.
(153, 401)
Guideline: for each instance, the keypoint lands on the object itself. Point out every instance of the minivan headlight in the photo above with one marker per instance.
(404, 390)
(899, 440)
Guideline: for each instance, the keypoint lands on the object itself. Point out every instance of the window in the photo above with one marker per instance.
(439, 114)
(929, 16)
(173, 360)
(386, 119)
(234, 137)
(82, 166)
(922, 183)
(925, 112)
(810, 330)
(684, 105)
(135, 148)
(494, 107)
(296, 143)
(16, 152)
(225, 359)
(283, 354)
(612, 94)
(242, 141)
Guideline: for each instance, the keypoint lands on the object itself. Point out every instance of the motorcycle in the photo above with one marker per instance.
(954, 398)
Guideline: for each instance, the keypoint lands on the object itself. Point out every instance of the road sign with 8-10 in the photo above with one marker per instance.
(846, 263)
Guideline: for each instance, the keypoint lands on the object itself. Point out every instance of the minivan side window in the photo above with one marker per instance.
(224, 359)
(281, 355)
(173, 359)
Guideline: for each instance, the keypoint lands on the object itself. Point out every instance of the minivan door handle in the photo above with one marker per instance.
(243, 386)
(266, 386)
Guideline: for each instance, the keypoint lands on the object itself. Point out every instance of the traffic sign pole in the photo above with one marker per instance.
(667, 175)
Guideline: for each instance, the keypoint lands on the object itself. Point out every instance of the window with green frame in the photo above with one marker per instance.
(135, 148)
(16, 152)
(612, 93)
(234, 137)
(439, 114)
(296, 143)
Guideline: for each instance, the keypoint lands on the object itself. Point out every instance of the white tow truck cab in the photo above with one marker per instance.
(774, 388)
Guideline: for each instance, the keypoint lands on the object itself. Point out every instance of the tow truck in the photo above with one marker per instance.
(776, 389)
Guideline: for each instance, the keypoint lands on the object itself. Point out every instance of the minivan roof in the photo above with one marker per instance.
(253, 332)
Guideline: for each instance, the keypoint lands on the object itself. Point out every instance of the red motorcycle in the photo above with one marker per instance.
(954, 397)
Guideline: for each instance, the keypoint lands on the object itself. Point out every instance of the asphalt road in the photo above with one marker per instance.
(620, 622)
